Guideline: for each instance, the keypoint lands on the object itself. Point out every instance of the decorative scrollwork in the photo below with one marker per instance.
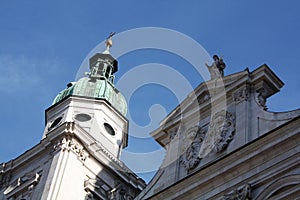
(261, 98)
(191, 147)
(220, 133)
(226, 133)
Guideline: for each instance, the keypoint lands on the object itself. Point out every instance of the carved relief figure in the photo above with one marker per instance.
(220, 133)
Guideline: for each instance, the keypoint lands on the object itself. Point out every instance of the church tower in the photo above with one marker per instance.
(79, 154)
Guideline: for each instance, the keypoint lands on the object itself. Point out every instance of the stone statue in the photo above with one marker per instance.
(216, 70)
(108, 41)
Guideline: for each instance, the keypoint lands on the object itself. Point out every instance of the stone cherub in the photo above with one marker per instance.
(216, 70)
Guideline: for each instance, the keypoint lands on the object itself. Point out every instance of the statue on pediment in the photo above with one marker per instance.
(216, 70)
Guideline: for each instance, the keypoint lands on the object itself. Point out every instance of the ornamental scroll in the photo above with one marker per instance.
(191, 146)
(220, 133)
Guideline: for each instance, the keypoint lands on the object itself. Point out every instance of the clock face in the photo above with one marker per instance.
(109, 129)
(83, 117)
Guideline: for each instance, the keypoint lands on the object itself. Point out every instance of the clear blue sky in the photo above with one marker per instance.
(42, 45)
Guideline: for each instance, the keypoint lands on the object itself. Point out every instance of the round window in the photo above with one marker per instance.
(83, 117)
(109, 129)
(55, 122)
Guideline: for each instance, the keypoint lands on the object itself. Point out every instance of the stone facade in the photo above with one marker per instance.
(79, 154)
(222, 143)
(68, 164)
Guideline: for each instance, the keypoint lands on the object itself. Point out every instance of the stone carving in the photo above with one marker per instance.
(120, 193)
(243, 193)
(261, 98)
(94, 189)
(191, 147)
(5, 175)
(220, 133)
(203, 98)
(22, 187)
(172, 134)
(70, 144)
(241, 95)
(216, 70)
(4, 179)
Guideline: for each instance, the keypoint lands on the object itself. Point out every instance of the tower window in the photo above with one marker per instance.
(55, 123)
(83, 117)
(109, 129)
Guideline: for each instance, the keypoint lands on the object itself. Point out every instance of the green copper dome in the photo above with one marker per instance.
(98, 84)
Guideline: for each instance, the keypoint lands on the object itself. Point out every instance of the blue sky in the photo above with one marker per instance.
(43, 43)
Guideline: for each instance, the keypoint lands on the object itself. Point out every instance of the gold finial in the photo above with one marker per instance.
(108, 42)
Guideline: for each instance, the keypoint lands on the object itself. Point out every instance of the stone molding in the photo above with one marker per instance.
(94, 190)
(5, 175)
(23, 186)
(243, 193)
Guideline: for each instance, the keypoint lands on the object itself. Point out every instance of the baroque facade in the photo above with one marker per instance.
(221, 143)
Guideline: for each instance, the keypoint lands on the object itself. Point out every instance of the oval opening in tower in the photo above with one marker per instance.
(109, 129)
(55, 123)
(83, 117)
